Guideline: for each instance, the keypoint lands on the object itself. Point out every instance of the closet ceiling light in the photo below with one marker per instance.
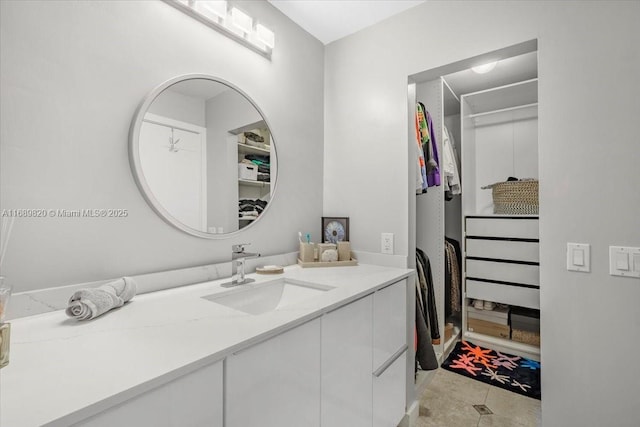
(484, 68)
(265, 35)
(212, 9)
(234, 24)
(241, 20)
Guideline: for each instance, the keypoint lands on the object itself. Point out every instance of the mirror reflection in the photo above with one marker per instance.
(207, 156)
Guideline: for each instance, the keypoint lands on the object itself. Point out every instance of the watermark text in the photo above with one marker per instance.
(64, 213)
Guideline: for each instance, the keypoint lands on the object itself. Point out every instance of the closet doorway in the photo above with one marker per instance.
(483, 246)
(173, 157)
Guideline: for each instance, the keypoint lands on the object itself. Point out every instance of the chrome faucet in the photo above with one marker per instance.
(238, 257)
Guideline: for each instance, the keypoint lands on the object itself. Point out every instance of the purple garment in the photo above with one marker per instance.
(433, 176)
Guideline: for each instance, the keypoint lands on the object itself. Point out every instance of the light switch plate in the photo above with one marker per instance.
(579, 257)
(624, 261)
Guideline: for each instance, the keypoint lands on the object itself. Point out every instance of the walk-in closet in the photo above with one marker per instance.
(477, 224)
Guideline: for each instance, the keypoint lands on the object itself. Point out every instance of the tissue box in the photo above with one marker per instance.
(247, 171)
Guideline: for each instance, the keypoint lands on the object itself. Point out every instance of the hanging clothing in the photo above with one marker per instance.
(428, 294)
(421, 133)
(421, 176)
(432, 160)
(426, 359)
(450, 166)
(453, 277)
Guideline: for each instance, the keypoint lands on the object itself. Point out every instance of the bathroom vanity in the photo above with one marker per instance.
(313, 347)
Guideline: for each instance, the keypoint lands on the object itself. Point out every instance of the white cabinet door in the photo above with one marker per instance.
(389, 322)
(346, 366)
(389, 393)
(193, 400)
(276, 383)
(196, 399)
(389, 354)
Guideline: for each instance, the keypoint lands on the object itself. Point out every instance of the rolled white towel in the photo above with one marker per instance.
(87, 304)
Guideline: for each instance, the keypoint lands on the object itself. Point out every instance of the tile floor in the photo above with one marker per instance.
(448, 402)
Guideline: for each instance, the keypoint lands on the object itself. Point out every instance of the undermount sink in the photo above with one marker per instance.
(260, 298)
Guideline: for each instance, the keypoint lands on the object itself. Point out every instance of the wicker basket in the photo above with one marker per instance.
(525, 337)
(515, 197)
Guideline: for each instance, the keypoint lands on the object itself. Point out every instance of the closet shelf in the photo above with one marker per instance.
(248, 149)
(504, 110)
(501, 344)
(503, 98)
(251, 183)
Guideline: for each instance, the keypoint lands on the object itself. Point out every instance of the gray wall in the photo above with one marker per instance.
(179, 107)
(589, 63)
(72, 75)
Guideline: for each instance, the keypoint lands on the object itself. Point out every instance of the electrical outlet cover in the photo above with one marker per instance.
(386, 242)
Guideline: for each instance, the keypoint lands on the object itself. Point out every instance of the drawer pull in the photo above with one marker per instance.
(502, 282)
(508, 261)
(390, 361)
(504, 239)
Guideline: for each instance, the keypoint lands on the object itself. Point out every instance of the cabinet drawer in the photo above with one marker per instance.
(503, 249)
(192, 400)
(520, 228)
(503, 271)
(505, 294)
(389, 390)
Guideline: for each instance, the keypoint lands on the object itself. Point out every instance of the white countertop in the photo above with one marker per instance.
(62, 371)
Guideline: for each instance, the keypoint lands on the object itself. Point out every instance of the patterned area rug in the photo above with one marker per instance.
(513, 373)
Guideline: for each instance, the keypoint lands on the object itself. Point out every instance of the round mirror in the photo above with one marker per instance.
(203, 156)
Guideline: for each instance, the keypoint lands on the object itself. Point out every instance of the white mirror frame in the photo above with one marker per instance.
(136, 166)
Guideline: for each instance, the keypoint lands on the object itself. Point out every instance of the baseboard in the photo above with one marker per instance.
(410, 418)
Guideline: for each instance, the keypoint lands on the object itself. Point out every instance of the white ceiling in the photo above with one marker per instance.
(330, 20)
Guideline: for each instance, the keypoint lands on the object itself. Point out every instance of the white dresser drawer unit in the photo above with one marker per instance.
(512, 227)
(503, 249)
(525, 274)
(505, 294)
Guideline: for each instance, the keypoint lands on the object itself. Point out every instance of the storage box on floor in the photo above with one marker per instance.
(448, 331)
(525, 325)
(489, 322)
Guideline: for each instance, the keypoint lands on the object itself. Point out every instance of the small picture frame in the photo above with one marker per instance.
(335, 229)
